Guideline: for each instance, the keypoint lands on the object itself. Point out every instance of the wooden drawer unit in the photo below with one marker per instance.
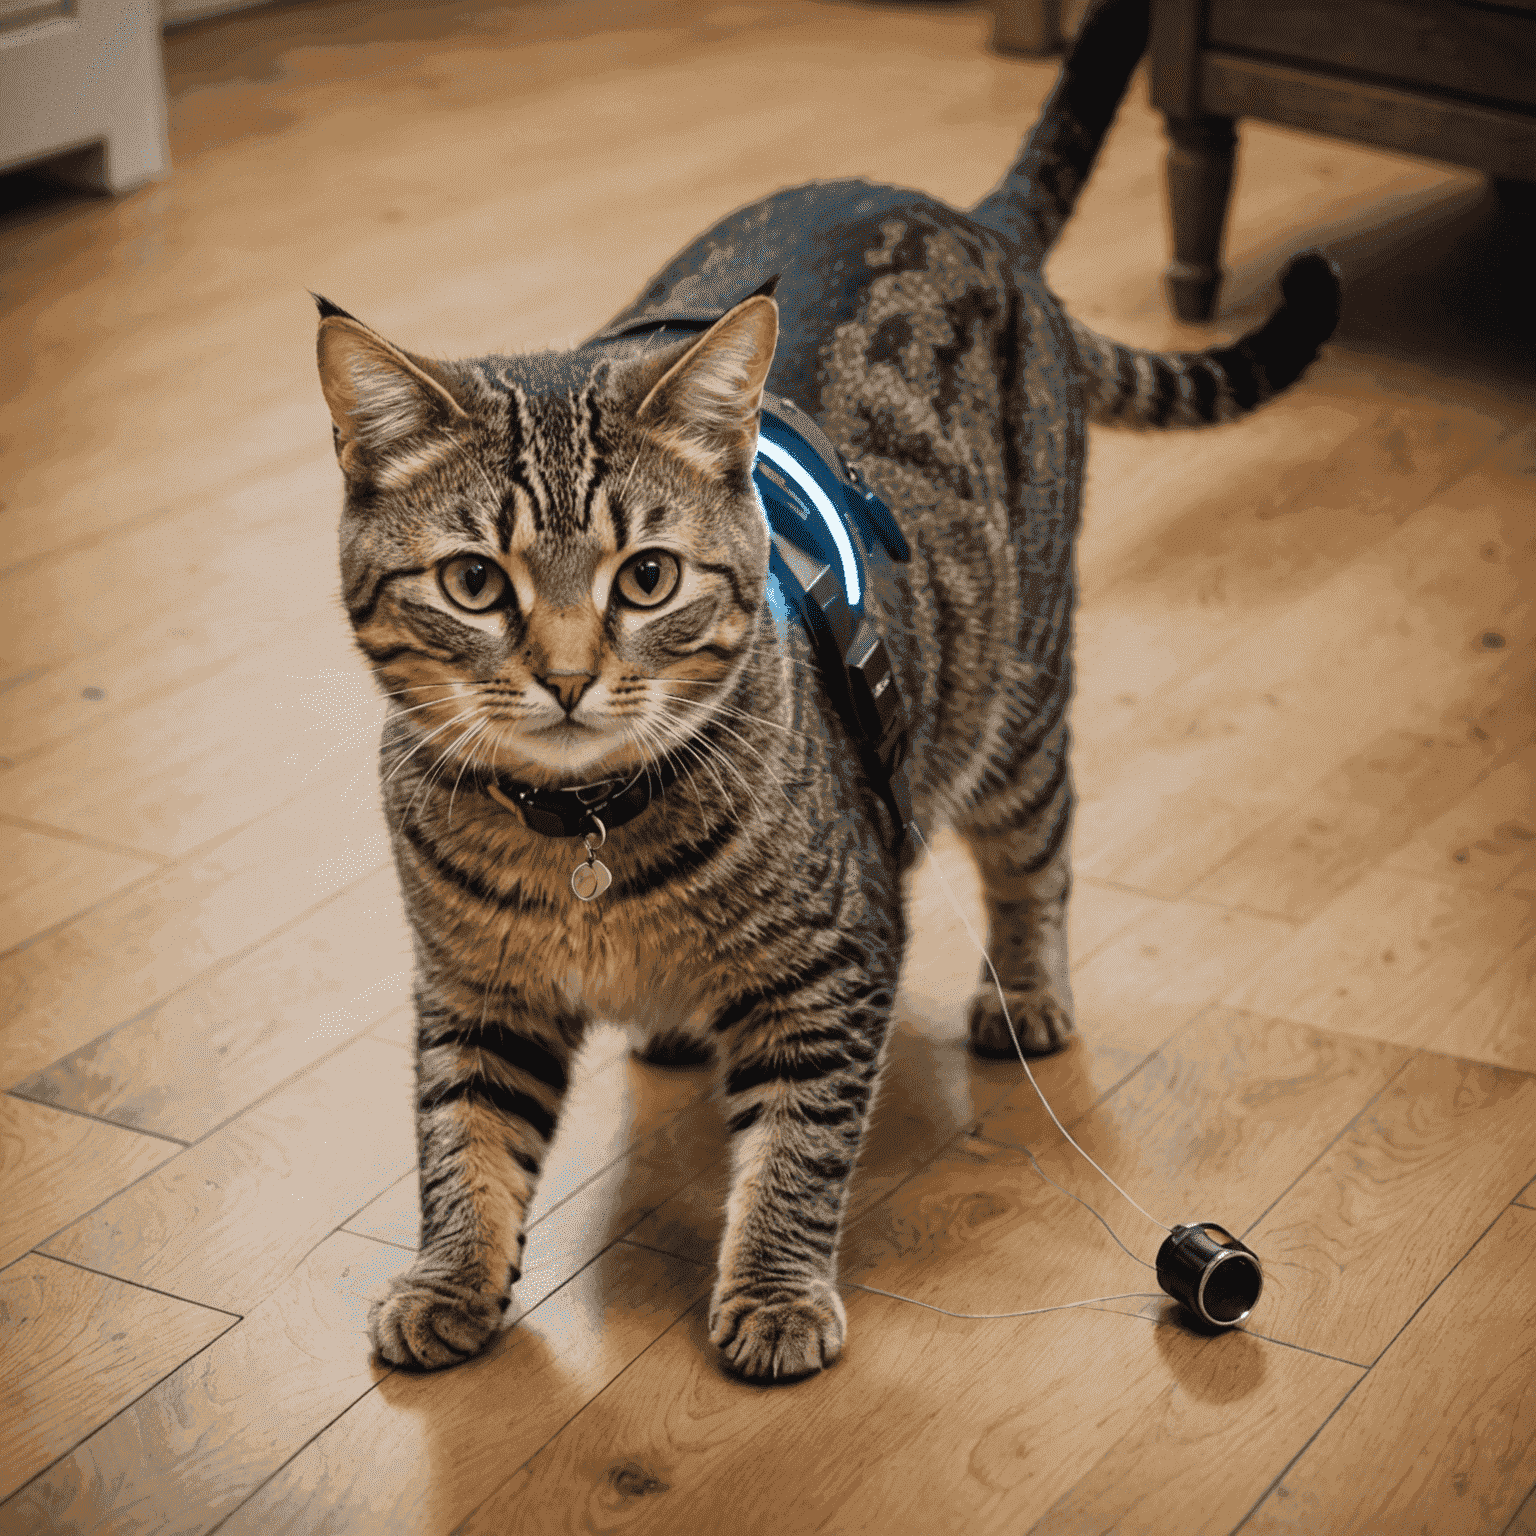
(1446, 79)
(1476, 51)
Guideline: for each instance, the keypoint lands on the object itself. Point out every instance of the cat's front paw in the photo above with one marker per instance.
(780, 1336)
(1042, 1018)
(429, 1321)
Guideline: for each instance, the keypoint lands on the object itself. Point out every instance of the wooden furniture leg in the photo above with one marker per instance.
(1031, 27)
(1199, 171)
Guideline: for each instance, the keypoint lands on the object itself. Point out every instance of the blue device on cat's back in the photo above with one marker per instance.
(826, 526)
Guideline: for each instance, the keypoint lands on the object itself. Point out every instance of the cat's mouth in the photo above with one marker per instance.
(567, 746)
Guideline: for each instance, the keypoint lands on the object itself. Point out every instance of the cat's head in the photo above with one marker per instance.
(556, 561)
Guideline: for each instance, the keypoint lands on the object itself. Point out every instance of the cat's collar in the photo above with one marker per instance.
(581, 810)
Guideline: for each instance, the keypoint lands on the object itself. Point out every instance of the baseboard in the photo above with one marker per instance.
(177, 13)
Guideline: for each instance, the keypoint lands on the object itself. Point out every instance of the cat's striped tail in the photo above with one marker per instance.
(1129, 387)
(1037, 196)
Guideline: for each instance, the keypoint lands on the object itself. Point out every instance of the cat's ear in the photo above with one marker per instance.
(706, 404)
(380, 397)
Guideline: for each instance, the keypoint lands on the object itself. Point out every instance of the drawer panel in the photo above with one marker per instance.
(1434, 44)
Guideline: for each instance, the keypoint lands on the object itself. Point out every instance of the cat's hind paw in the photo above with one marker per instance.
(1042, 1020)
(780, 1336)
(426, 1321)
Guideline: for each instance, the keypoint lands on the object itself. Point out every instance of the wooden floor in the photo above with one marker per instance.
(1304, 926)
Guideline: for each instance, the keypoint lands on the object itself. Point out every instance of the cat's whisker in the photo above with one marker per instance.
(483, 727)
(641, 735)
(437, 769)
(741, 714)
(777, 781)
(624, 484)
(684, 746)
(692, 745)
(368, 730)
(713, 750)
(424, 785)
(420, 744)
(485, 479)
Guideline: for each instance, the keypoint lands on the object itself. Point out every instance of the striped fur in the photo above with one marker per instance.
(756, 914)
(1133, 388)
(1037, 195)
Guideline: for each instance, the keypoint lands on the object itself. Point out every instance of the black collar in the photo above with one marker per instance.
(581, 809)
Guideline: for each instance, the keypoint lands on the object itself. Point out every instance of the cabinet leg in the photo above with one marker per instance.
(1030, 27)
(1199, 169)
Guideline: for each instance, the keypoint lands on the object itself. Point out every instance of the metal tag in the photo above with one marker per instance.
(591, 879)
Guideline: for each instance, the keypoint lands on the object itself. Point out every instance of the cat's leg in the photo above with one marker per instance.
(801, 1070)
(491, 1076)
(1020, 840)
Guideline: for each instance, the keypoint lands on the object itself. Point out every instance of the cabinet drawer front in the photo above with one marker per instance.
(1433, 44)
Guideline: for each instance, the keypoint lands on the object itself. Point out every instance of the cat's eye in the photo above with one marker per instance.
(648, 579)
(473, 582)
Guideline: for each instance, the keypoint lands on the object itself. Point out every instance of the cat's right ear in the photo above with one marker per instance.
(380, 397)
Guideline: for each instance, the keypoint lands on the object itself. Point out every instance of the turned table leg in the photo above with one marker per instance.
(1030, 27)
(1199, 172)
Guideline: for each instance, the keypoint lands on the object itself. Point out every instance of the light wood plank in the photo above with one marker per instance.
(1364, 809)
(1214, 1127)
(1439, 1153)
(1524, 1523)
(187, 1451)
(1155, 976)
(1497, 1022)
(1172, 1469)
(227, 1221)
(1444, 1427)
(1392, 639)
(875, 1444)
(74, 1348)
(1391, 957)
(1191, 540)
(1485, 839)
(49, 877)
(398, 1027)
(133, 951)
(184, 767)
(419, 1452)
(217, 1046)
(56, 1166)
(163, 604)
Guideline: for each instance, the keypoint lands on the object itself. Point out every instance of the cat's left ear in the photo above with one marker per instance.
(379, 396)
(706, 405)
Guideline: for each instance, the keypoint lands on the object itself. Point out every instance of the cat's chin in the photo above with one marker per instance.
(566, 750)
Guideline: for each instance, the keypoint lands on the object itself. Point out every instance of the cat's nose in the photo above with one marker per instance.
(568, 687)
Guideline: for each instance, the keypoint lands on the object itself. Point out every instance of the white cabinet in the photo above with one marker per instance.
(84, 76)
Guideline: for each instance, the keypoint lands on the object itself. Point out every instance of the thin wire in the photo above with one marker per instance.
(1008, 1020)
(1063, 1306)
(1115, 1236)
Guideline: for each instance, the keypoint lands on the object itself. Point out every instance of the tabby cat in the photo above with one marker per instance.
(556, 565)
